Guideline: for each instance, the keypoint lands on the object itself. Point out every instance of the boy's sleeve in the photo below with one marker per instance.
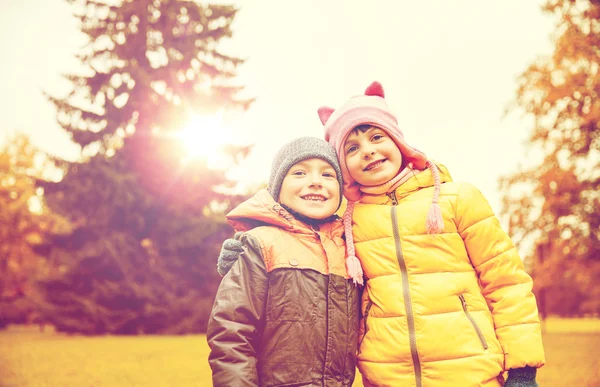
(233, 326)
(504, 282)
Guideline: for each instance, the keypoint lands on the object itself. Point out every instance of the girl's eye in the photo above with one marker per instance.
(352, 148)
(377, 137)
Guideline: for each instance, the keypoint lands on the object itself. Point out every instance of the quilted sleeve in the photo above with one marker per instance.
(505, 284)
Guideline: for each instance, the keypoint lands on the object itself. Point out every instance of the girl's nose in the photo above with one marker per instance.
(368, 152)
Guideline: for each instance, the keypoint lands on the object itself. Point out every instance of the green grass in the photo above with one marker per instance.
(32, 358)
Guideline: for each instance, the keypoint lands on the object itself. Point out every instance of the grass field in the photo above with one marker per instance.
(30, 358)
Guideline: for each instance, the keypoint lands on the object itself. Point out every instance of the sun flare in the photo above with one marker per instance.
(204, 137)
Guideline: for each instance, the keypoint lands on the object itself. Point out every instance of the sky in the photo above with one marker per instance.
(449, 70)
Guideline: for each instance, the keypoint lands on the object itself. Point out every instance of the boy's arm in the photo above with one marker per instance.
(233, 326)
(504, 282)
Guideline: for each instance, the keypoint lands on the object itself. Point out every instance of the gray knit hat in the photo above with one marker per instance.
(295, 151)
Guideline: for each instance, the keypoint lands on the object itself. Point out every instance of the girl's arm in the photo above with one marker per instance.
(233, 326)
(504, 282)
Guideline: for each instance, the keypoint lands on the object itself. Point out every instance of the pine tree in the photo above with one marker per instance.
(141, 258)
(555, 202)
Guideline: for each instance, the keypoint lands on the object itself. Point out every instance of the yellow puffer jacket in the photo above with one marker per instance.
(452, 309)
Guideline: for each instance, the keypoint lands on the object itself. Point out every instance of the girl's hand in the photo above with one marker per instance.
(230, 252)
(521, 377)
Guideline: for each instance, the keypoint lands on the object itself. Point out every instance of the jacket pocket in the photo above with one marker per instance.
(365, 316)
(484, 343)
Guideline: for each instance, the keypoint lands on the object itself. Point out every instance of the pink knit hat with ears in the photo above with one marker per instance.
(371, 109)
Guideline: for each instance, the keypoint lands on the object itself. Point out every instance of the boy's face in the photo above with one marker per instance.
(372, 157)
(311, 189)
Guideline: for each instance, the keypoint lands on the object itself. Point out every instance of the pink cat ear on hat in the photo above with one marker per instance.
(324, 113)
(375, 89)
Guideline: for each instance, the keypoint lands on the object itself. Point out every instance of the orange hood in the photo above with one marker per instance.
(262, 210)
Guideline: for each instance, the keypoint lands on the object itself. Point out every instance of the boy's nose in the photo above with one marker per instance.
(316, 180)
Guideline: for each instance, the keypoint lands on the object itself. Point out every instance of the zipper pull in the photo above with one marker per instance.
(316, 232)
(392, 196)
(463, 301)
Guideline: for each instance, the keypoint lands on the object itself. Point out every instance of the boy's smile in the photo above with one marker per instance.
(311, 188)
(319, 198)
(371, 156)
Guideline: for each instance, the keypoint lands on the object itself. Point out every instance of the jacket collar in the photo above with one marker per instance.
(420, 180)
(262, 210)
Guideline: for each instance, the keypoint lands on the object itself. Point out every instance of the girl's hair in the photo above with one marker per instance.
(363, 128)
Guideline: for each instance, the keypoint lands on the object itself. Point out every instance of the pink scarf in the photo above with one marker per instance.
(391, 185)
(434, 221)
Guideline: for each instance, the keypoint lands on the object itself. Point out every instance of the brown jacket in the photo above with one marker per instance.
(286, 313)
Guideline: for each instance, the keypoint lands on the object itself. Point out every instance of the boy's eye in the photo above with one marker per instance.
(329, 174)
(298, 173)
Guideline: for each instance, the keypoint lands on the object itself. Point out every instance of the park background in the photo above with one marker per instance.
(128, 128)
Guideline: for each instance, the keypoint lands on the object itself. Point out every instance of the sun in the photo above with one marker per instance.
(204, 137)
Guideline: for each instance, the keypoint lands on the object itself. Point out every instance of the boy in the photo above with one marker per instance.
(286, 313)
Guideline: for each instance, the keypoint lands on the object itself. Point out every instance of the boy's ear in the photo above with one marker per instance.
(324, 113)
(375, 89)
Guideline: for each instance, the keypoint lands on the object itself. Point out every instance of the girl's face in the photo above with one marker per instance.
(311, 188)
(372, 157)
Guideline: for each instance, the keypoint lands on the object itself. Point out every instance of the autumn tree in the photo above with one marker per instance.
(141, 257)
(24, 222)
(553, 203)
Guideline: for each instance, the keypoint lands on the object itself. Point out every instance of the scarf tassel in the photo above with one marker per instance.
(434, 223)
(354, 269)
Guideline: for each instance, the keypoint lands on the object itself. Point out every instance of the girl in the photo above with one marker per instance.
(447, 301)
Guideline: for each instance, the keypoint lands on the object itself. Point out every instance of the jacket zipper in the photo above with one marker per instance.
(410, 317)
(327, 311)
(367, 309)
(479, 333)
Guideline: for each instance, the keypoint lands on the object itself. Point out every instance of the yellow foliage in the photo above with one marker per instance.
(23, 219)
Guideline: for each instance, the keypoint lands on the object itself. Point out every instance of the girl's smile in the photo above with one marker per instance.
(374, 165)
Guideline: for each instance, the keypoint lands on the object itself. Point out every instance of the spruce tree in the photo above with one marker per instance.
(141, 257)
